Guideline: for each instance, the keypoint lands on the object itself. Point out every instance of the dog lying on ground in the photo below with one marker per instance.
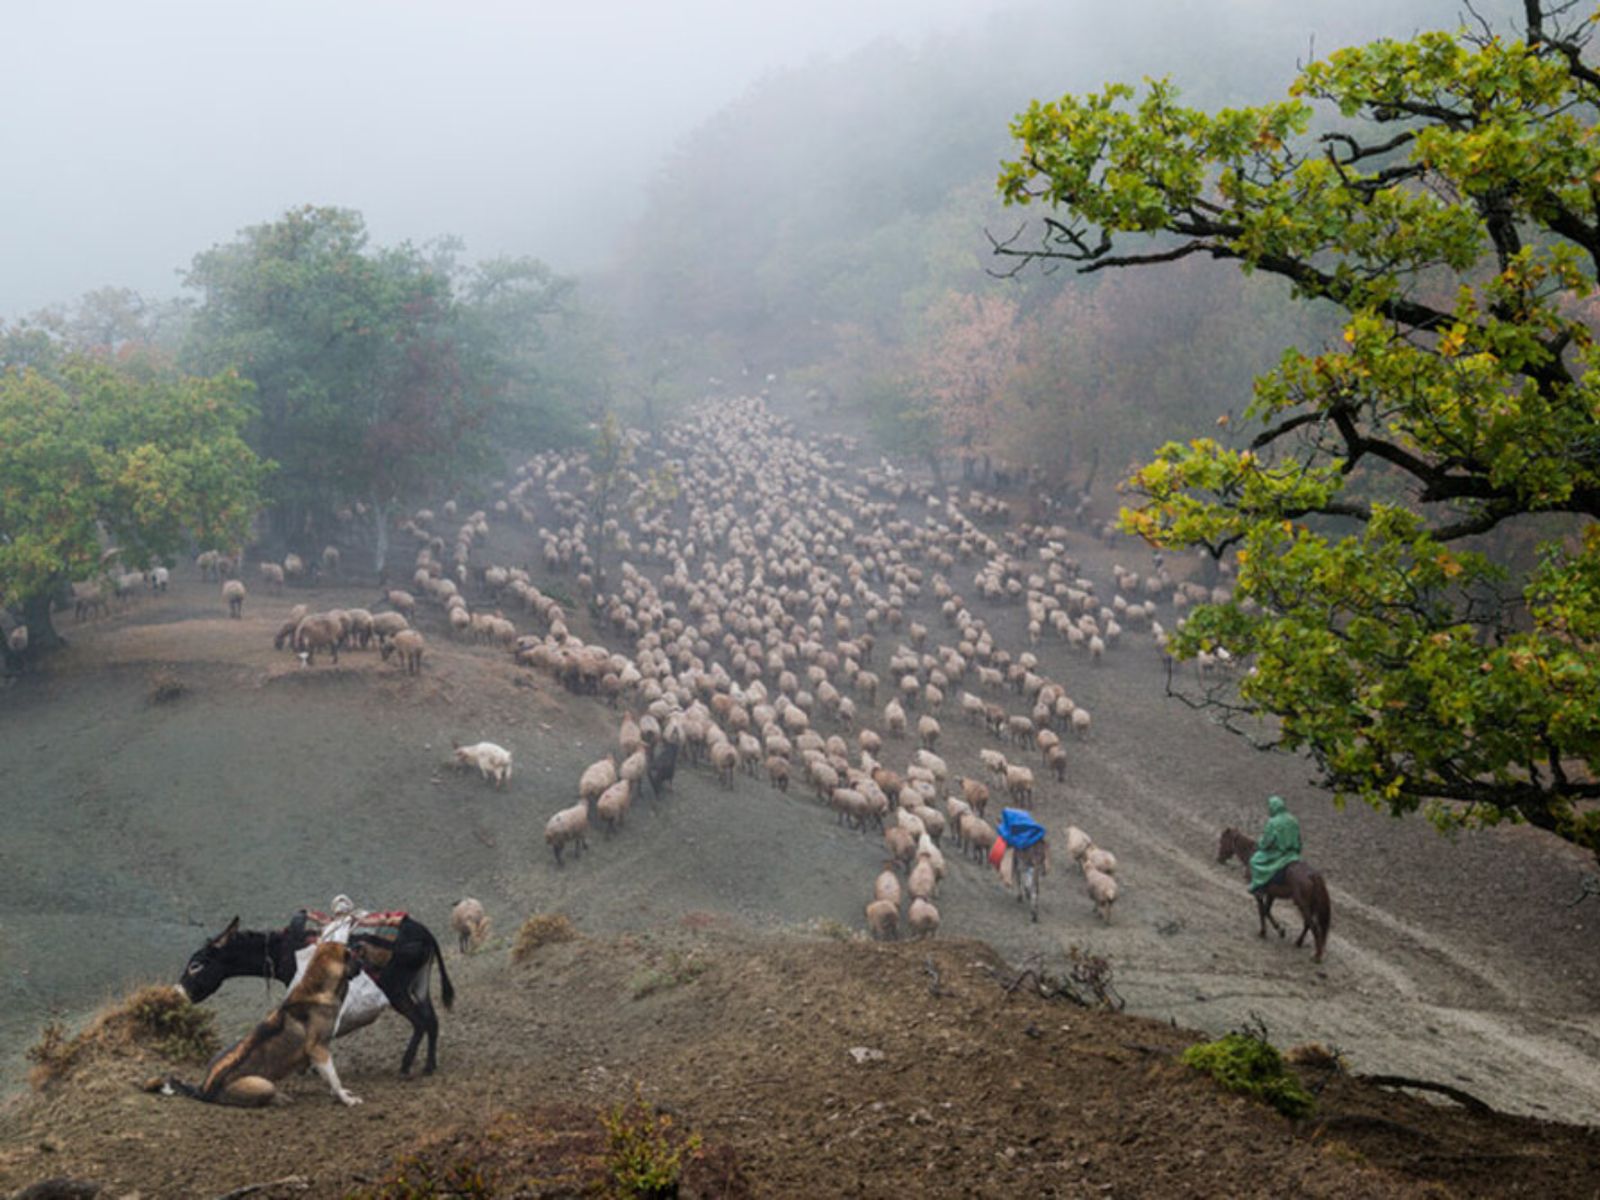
(296, 1035)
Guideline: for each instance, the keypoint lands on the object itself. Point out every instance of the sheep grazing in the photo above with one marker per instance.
(403, 603)
(271, 573)
(407, 645)
(923, 879)
(471, 924)
(725, 760)
(234, 593)
(285, 635)
(386, 625)
(568, 825)
(493, 762)
(330, 560)
(928, 731)
(883, 919)
(320, 631)
(613, 804)
(922, 918)
(1102, 889)
(17, 641)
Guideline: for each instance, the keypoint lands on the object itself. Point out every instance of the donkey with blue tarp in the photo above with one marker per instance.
(1022, 853)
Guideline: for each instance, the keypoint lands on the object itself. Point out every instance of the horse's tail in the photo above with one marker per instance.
(1321, 905)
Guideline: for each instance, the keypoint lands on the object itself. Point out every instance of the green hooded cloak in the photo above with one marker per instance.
(1279, 845)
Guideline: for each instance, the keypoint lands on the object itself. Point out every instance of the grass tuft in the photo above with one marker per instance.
(153, 1019)
(541, 929)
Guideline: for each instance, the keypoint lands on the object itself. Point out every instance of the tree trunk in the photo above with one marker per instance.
(42, 633)
(380, 541)
(932, 457)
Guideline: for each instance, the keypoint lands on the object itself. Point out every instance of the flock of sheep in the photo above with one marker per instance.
(752, 587)
(758, 585)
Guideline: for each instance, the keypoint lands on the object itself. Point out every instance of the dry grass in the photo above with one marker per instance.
(155, 1019)
(541, 929)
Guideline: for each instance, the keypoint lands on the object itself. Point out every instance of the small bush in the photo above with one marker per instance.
(415, 1178)
(154, 1018)
(1248, 1064)
(677, 968)
(646, 1157)
(165, 686)
(541, 929)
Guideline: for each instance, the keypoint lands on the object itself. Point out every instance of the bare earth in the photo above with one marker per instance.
(135, 828)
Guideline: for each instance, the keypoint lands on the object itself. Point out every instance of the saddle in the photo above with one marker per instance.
(376, 932)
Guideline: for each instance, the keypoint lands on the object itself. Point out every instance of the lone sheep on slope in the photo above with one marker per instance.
(493, 762)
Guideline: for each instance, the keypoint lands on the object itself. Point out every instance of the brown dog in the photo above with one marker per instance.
(296, 1035)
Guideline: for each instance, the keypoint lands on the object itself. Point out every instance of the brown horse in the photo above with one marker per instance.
(1297, 882)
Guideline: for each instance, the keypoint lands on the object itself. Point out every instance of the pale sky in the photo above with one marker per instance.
(135, 134)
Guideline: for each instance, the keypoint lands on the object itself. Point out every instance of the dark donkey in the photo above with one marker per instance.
(1297, 882)
(395, 950)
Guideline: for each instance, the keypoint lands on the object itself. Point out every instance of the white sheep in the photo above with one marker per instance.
(596, 778)
(493, 762)
(922, 918)
(1078, 843)
(1102, 889)
(1096, 859)
(568, 825)
(613, 804)
(467, 918)
(233, 591)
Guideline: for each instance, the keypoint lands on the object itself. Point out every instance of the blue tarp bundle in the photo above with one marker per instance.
(1018, 828)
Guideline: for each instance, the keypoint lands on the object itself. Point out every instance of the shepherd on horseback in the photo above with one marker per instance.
(1279, 845)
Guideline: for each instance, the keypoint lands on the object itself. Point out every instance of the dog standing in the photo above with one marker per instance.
(296, 1035)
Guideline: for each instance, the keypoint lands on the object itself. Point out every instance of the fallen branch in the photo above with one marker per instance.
(296, 1183)
(1465, 1099)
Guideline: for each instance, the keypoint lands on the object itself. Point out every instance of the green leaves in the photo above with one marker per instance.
(1399, 629)
(149, 458)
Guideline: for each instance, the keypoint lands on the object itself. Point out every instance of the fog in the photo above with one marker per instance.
(138, 134)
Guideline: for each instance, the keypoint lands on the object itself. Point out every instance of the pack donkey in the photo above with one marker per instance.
(396, 951)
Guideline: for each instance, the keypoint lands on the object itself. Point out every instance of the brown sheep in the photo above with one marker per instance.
(233, 592)
(471, 925)
(319, 631)
(883, 919)
(407, 645)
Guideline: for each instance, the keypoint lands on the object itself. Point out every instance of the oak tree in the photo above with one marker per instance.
(1442, 193)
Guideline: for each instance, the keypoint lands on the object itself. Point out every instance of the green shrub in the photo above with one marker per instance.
(1245, 1063)
(645, 1156)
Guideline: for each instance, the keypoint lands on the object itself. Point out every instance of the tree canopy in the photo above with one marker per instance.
(1411, 508)
(380, 373)
(95, 454)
